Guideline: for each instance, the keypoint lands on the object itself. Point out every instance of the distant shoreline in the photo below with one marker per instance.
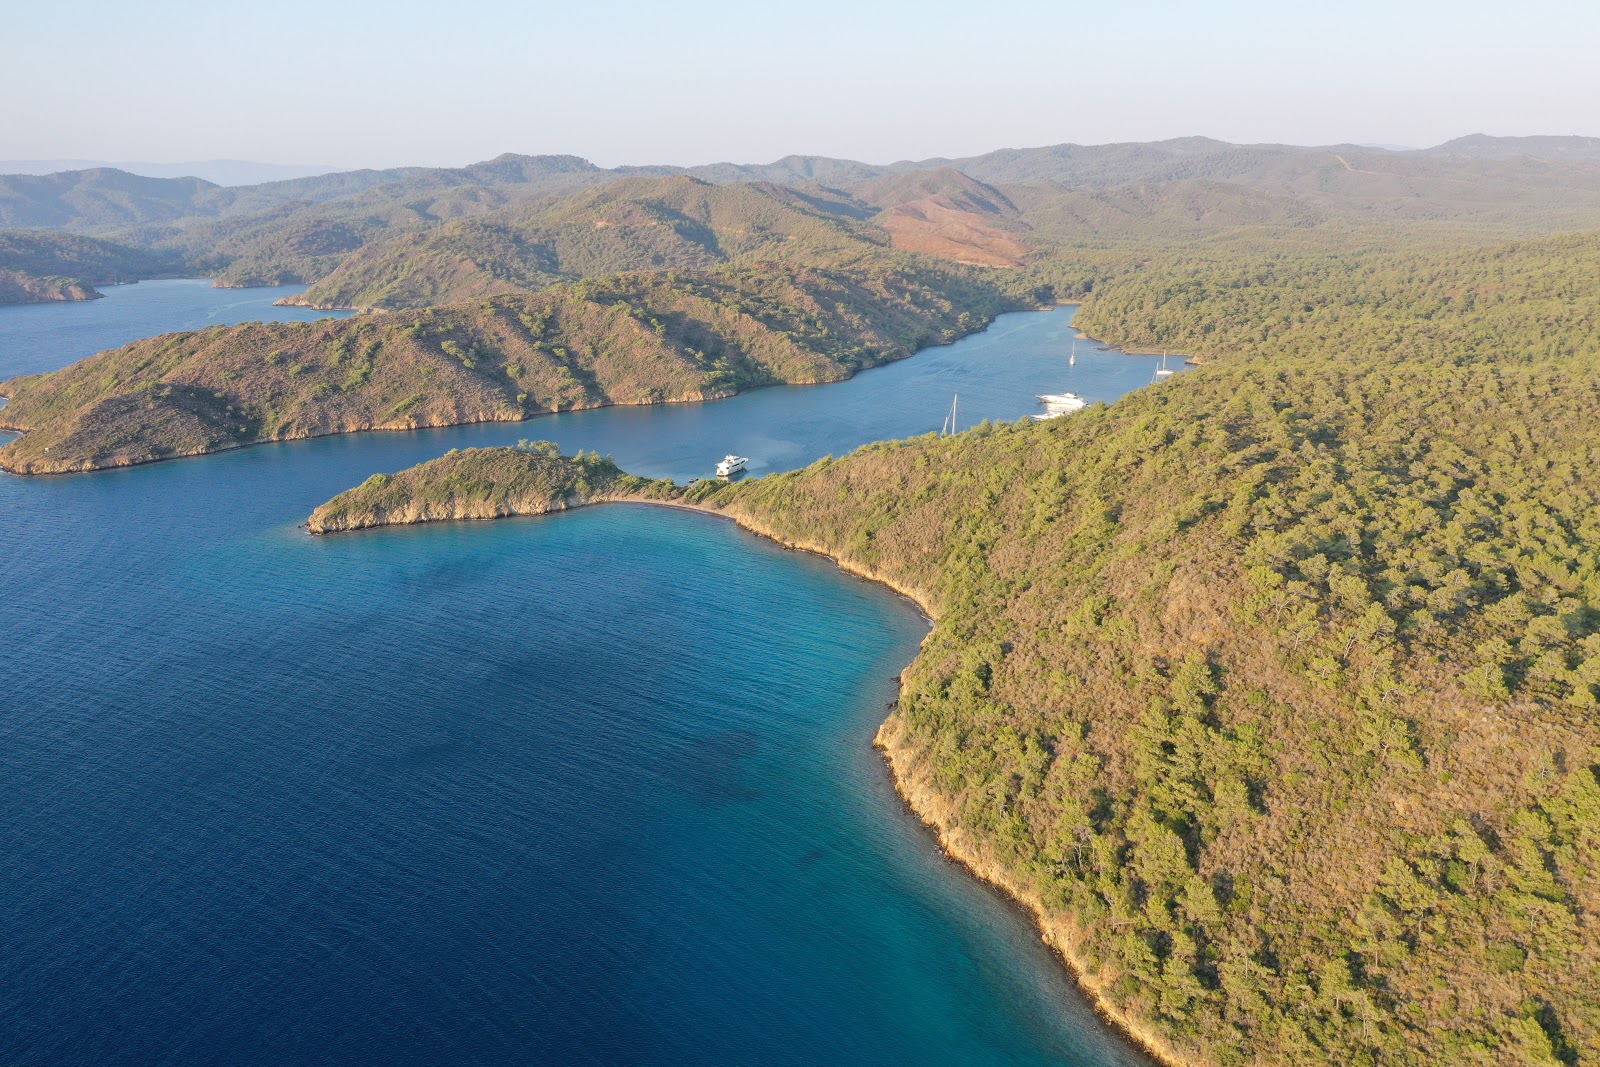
(38, 468)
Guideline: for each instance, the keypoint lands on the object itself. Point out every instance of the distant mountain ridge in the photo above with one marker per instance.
(105, 198)
(215, 171)
(404, 236)
(1483, 146)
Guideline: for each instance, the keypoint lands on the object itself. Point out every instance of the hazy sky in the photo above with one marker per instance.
(364, 83)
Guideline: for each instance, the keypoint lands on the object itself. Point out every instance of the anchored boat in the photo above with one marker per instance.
(1063, 401)
(731, 464)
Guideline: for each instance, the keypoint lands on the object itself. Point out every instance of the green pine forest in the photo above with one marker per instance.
(1277, 683)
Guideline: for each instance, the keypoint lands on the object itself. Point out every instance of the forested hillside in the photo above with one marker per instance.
(1332, 295)
(634, 224)
(648, 338)
(1274, 686)
(39, 265)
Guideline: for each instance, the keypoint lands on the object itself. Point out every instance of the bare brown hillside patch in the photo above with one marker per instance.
(936, 228)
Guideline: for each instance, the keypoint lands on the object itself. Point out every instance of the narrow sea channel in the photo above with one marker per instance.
(595, 788)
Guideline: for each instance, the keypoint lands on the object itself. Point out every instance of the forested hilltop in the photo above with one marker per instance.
(645, 338)
(630, 225)
(1272, 687)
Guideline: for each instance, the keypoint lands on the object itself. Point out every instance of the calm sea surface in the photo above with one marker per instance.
(595, 788)
(45, 337)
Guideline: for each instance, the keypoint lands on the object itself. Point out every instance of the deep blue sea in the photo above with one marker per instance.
(592, 788)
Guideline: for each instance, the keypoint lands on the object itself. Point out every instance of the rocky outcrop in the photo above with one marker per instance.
(19, 288)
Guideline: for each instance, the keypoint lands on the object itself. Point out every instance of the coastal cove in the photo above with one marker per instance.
(252, 769)
(44, 337)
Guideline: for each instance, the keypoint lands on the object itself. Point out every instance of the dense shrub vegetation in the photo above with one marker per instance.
(1276, 683)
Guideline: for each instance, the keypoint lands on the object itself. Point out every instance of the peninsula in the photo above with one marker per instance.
(652, 338)
(485, 483)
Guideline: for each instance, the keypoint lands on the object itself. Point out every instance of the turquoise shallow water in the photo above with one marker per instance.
(592, 788)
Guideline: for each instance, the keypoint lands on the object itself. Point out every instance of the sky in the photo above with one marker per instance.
(362, 83)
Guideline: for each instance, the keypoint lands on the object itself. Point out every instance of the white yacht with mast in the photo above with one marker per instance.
(1162, 371)
(949, 426)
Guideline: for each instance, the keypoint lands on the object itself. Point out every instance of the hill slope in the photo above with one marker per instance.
(39, 265)
(634, 339)
(1482, 146)
(633, 224)
(947, 214)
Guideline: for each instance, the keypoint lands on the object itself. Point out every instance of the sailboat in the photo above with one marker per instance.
(1162, 371)
(1072, 360)
(949, 426)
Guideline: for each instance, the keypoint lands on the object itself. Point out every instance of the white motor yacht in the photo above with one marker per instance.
(1067, 401)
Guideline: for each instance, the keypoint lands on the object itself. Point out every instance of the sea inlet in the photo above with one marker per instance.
(591, 788)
